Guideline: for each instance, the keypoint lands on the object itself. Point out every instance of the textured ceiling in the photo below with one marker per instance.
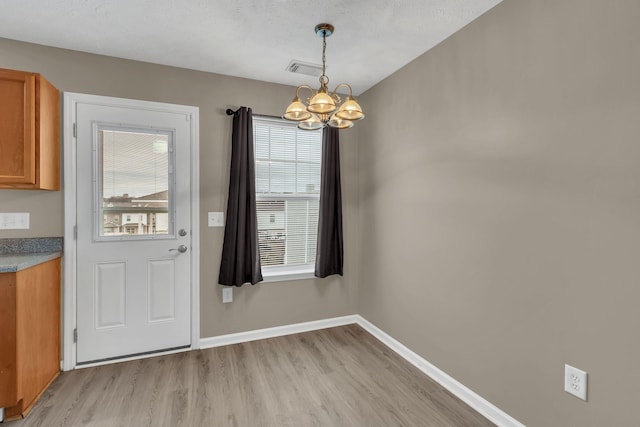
(253, 38)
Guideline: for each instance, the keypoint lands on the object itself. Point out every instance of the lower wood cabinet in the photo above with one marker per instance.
(30, 336)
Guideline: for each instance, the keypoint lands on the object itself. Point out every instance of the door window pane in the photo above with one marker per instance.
(134, 187)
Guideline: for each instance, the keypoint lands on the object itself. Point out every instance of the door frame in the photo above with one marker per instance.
(69, 320)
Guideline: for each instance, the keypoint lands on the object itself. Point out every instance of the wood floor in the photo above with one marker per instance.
(333, 377)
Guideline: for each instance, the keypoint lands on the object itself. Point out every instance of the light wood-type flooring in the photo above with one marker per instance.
(333, 377)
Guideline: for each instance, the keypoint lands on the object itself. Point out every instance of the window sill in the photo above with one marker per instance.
(282, 274)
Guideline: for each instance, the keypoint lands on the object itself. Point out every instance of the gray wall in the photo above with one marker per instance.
(261, 306)
(491, 198)
(500, 208)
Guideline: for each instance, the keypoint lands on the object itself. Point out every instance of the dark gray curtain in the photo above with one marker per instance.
(329, 253)
(240, 253)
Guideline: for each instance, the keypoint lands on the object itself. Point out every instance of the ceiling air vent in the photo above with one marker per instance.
(300, 67)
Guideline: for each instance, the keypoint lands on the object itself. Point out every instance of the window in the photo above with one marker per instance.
(287, 197)
(135, 168)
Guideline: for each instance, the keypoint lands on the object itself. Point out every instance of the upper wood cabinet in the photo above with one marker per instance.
(29, 131)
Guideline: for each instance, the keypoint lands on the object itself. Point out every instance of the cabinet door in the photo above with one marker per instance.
(8, 362)
(17, 127)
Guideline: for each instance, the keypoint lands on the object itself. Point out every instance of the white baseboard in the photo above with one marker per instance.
(484, 407)
(481, 405)
(277, 331)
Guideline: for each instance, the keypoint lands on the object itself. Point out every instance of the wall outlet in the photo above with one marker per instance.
(215, 219)
(575, 382)
(227, 294)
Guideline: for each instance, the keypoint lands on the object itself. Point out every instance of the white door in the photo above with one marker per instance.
(133, 214)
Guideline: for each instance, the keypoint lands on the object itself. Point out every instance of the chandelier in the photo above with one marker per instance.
(323, 108)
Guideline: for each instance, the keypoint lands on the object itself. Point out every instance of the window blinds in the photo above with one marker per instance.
(287, 191)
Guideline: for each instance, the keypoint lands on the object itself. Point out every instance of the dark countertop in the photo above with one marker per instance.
(19, 246)
(13, 263)
(19, 254)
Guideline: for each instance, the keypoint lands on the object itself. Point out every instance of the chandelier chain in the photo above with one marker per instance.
(324, 58)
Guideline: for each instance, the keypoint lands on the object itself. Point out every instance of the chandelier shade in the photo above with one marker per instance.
(321, 103)
(297, 111)
(350, 110)
(337, 122)
(312, 123)
(323, 108)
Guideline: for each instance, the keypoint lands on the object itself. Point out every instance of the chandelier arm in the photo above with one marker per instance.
(334, 95)
(343, 84)
(303, 87)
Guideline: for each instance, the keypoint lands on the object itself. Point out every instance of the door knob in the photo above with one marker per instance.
(182, 249)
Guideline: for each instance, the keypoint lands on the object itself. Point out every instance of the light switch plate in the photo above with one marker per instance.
(215, 219)
(14, 220)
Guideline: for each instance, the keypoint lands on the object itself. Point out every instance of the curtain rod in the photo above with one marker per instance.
(231, 112)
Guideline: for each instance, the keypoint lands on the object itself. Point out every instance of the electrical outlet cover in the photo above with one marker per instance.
(575, 382)
(227, 294)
